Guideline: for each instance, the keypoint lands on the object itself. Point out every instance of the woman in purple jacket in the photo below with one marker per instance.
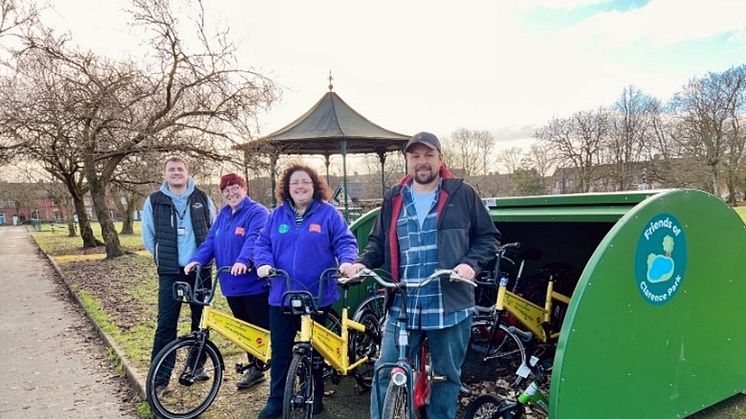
(304, 236)
(231, 243)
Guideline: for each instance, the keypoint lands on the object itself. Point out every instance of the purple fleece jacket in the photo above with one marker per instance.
(231, 239)
(322, 241)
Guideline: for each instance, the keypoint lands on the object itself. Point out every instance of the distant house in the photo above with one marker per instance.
(22, 202)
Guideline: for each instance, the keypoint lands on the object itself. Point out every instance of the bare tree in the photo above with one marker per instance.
(706, 108)
(510, 158)
(485, 146)
(15, 15)
(540, 158)
(577, 142)
(629, 124)
(462, 151)
(178, 99)
(35, 124)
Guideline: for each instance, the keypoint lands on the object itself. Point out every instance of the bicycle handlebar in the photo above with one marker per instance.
(438, 274)
(506, 246)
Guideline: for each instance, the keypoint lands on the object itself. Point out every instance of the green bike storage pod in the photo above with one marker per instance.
(654, 328)
(655, 325)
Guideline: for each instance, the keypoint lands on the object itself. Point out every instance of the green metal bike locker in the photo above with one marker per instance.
(655, 325)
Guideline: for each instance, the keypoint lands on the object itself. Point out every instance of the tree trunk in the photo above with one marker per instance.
(70, 227)
(68, 215)
(98, 195)
(86, 232)
(128, 222)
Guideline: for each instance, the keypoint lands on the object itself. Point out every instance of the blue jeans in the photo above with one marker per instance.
(451, 344)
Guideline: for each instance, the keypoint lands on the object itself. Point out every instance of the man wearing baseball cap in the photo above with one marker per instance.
(430, 200)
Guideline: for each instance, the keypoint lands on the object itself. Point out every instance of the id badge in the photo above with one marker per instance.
(181, 231)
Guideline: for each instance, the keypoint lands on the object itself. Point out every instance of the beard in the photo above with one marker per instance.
(424, 179)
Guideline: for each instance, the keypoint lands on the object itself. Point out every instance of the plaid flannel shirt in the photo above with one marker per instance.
(418, 250)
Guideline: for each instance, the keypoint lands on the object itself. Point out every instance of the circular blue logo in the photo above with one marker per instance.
(283, 228)
(660, 259)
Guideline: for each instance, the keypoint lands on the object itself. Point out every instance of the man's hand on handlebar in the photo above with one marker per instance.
(190, 267)
(348, 270)
(465, 271)
(239, 268)
(264, 271)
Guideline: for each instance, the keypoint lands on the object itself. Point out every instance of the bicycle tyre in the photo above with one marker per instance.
(503, 357)
(396, 402)
(376, 304)
(491, 406)
(188, 397)
(364, 344)
(299, 404)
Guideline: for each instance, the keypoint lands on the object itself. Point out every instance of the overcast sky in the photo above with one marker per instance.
(503, 66)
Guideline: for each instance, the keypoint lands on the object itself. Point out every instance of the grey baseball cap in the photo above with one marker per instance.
(426, 138)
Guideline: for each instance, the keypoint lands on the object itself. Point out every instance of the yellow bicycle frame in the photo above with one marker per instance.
(531, 315)
(332, 347)
(252, 339)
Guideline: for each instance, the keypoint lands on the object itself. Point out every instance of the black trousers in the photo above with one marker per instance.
(169, 310)
(283, 328)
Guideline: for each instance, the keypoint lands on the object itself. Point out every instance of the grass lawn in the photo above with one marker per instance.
(54, 240)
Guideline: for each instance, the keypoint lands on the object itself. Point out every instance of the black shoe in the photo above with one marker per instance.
(318, 405)
(199, 375)
(250, 377)
(270, 411)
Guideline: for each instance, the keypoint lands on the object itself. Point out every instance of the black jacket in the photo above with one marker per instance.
(466, 234)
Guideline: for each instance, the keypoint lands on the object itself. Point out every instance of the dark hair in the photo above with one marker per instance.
(320, 188)
(229, 179)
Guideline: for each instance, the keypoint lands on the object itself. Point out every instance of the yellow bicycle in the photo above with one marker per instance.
(351, 352)
(195, 361)
(506, 341)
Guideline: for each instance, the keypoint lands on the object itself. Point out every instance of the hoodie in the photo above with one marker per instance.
(187, 243)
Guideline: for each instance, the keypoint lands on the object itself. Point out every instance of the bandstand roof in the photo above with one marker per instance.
(323, 128)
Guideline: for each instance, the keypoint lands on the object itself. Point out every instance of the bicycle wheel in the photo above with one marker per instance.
(396, 403)
(490, 406)
(298, 399)
(365, 344)
(492, 353)
(197, 370)
(374, 304)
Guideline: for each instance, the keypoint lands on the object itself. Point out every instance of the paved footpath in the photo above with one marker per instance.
(52, 363)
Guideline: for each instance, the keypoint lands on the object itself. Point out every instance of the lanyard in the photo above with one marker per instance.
(181, 215)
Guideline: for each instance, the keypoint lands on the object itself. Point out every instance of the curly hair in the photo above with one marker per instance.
(320, 188)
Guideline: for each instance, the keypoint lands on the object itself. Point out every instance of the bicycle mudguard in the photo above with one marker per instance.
(422, 385)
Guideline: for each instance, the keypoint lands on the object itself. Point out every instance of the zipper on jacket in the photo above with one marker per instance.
(156, 254)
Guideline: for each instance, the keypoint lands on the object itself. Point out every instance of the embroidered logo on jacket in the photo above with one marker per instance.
(283, 228)
(240, 231)
(314, 228)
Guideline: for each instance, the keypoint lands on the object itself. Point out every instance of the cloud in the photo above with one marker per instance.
(565, 5)
(662, 23)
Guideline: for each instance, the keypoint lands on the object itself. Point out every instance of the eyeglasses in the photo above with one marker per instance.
(231, 189)
(301, 182)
